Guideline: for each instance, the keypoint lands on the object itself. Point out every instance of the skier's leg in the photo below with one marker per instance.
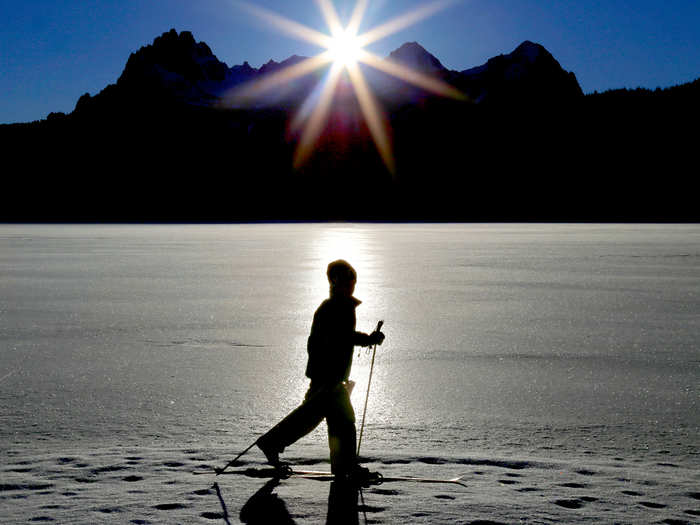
(301, 421)
(342, 435)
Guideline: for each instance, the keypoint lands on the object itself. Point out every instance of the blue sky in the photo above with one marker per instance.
(52, 51)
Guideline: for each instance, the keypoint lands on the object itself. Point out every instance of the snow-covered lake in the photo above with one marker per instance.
(555, 367)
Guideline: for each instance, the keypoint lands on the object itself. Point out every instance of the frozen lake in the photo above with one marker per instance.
(527, 343)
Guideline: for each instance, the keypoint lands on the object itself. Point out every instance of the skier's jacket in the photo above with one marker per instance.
(332, 340)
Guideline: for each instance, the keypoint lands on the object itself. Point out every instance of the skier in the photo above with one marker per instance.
(330, 347)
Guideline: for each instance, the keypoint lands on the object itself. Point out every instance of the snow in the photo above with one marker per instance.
(134, 356)
(146, 484)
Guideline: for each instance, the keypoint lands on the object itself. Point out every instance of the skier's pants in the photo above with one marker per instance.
(331, 403)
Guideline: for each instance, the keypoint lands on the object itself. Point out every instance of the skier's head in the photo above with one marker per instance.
(342, 277)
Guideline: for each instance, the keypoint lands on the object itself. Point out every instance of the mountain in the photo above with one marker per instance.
(413, 55)
(177, 68)
(529, 73)
(175, 63)
(169, 141)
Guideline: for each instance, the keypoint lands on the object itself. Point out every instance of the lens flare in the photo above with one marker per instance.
(343, 52)
(345, 49)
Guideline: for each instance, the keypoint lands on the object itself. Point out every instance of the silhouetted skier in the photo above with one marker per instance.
(330, 347)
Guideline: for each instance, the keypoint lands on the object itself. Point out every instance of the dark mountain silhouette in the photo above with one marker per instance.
(528, 73)
(169, 142)
(413, 55)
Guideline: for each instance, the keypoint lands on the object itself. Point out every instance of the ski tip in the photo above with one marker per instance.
(458, 481)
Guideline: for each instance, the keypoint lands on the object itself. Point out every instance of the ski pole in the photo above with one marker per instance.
(230, 463)
(369, 382)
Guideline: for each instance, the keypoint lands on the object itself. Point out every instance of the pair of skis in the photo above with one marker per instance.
(286, 472)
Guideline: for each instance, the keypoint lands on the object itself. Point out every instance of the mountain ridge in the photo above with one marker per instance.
(176, 65)
(161, 144)
(216, 71)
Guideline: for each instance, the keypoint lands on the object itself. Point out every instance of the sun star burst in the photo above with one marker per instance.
(343, 52)
(345, 49)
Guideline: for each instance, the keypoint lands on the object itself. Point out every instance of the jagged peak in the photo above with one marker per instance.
(414, 55)
(173, 38)
(293, 59)
(176, 53)
(272, 65)
(245, 66)
(410, 46)
(529, 49)
(174, 43)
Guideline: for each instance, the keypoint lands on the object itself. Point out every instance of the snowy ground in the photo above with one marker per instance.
(554, 367)
(143, 486)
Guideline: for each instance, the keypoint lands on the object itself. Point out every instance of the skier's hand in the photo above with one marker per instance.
(376, 338)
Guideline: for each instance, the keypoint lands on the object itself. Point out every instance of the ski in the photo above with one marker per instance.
(324, 475)
(455, 481)
(252, 472)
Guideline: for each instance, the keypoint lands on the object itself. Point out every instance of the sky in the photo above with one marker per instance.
(53, 51)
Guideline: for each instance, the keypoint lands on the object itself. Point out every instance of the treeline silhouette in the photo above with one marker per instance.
(622, 155)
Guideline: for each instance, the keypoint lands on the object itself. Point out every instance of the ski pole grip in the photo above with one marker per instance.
(379, 326)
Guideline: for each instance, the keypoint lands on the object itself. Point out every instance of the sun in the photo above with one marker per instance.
(345, 49)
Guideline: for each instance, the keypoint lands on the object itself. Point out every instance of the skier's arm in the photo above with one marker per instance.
(362, 339)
